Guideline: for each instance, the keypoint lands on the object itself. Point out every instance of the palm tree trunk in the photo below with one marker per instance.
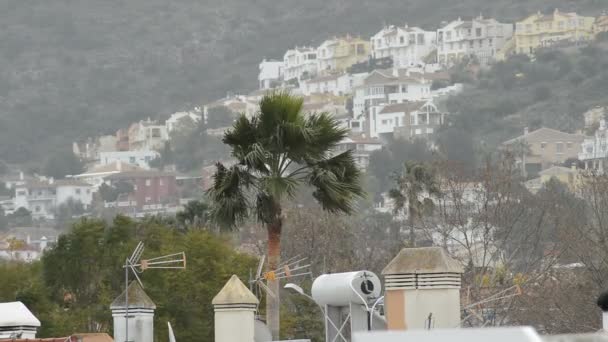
(411, 221)
(274, 258)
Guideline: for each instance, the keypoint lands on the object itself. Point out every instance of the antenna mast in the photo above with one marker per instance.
(137, 266)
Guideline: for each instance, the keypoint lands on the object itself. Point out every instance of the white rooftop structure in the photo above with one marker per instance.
(17, 321)
(516, 334)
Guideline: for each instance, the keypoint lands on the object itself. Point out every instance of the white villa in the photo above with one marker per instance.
(299, 63)
(407, 46)
(481, 38)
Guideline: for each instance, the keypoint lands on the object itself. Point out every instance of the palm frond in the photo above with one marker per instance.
(276, 108)
(279, 186)
(337, 182)
(229, 201)
(326, 133)
(241, 136)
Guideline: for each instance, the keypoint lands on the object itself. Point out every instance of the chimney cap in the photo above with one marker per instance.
(422, 260)
(235, 292)
(137, 298)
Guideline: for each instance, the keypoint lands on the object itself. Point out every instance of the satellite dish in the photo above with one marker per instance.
(171, 336)
(261, 333)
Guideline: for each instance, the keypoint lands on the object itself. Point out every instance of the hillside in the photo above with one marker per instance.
(553, 91)
(72, 68)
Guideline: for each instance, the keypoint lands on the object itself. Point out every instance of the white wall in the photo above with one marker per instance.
(227, 321)
(269, 71)
(82, 194)
(139, 158)
(141, 326)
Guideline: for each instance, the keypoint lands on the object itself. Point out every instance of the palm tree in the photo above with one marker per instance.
(195, 214)
(416, 185)
(278, 150)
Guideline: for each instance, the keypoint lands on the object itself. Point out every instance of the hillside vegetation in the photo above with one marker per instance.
(72, 68)
(552, 91)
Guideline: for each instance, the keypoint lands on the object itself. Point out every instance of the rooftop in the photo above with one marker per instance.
(137, 298)
(235, 292)
(422, 260)
(15, 314)
(545, 134)
(405, 107)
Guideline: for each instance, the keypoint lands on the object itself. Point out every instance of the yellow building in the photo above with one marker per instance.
(543, 30)
(601, 24)
(338, 54)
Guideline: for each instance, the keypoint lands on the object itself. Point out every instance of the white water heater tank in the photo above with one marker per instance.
(341, 289)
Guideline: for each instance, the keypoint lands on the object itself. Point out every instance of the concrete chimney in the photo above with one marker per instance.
(422, 290)
(21, 176)
(526, 130)
(234, 309)
(141, 315)
(119, 165)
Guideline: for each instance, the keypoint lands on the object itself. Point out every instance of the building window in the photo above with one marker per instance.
(132, 160)
(148, 182)
(490, 42)
(561, 25)
(471, 44)
(148, 199)
(569, 145)
(543, 145)
(478, 32)
(77, 191)
(160, 181)
(21, 193)
(559, 147)
(88, 191)
(401, 40)
(418, 131)
(37, 209)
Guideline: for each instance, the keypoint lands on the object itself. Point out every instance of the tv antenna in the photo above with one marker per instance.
(138, 266)
(290, 268)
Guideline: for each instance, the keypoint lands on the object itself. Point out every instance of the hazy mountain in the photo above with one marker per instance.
(71, 68)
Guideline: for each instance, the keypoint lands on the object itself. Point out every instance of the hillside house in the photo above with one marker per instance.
(540, 149)
(594, 150)
(408, 120)
(141, 158)
(339, 54)
(479, 37)
(300, 63)
(406, 46)
(270, 74)
(544, 30)
(177, 119)
(42, 197)
(151, 189)
(147, 135)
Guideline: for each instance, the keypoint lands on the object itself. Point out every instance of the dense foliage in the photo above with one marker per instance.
(76, 68)
(71, 289)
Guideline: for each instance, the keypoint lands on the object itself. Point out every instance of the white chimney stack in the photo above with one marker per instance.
(141, 316)
(234, 309)
(422, 290)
